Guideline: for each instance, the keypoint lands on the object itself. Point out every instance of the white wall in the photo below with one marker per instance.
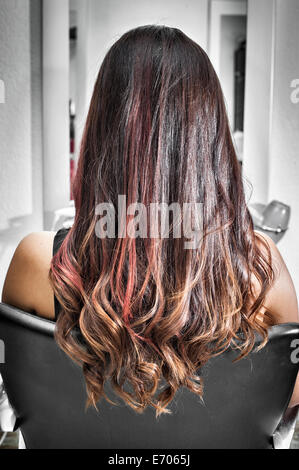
(21, 196)
(284, 153)
(15, 113)
(258, 96)
(56, 145)
(271, 119)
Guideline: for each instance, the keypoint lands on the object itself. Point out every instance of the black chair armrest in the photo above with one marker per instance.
(285, 430)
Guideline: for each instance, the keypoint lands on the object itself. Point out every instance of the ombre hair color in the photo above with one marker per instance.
(157, 132)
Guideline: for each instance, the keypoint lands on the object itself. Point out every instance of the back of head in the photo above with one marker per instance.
(148, 301)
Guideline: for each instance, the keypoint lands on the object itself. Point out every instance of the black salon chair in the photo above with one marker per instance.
(244, 402)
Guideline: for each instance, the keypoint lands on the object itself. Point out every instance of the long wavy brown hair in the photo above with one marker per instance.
(147, 308)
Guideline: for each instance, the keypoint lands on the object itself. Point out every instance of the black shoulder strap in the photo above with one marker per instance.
(58, 239)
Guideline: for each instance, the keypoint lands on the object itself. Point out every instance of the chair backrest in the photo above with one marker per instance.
(244, 401)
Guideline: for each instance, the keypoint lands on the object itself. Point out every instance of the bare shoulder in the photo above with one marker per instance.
(27, 286)
(281, 299)
(35, 245)
(277, 259)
